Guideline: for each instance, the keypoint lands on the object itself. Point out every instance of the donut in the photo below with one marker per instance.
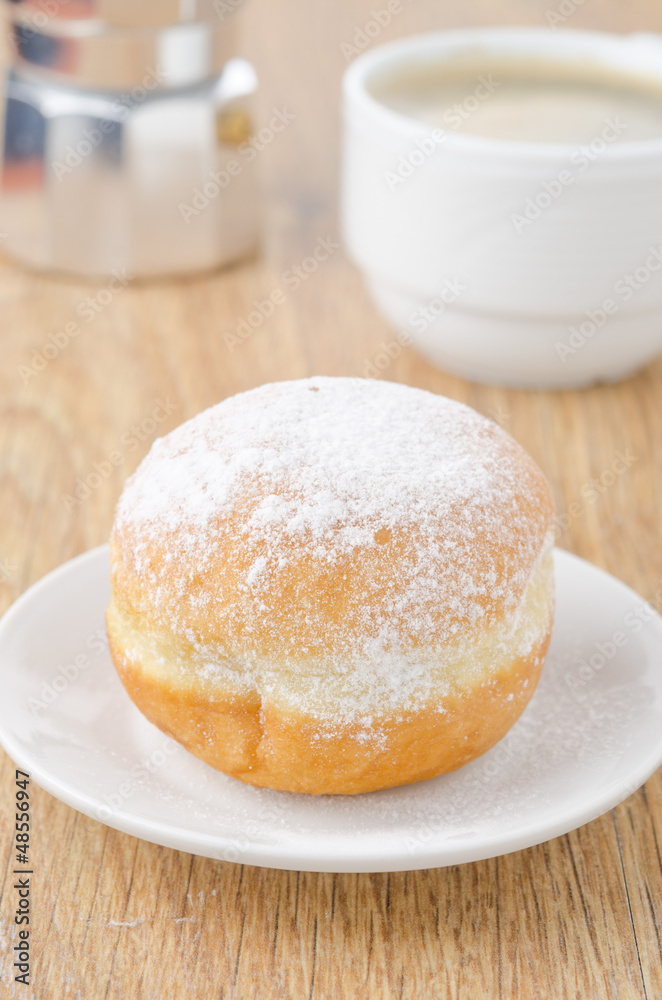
(333, 585)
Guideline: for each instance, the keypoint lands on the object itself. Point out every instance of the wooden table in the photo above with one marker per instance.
(115, 917)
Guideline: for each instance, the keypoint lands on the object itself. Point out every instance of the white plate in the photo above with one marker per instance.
(591, 736)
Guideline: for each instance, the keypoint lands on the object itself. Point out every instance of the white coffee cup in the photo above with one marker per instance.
(481, 250)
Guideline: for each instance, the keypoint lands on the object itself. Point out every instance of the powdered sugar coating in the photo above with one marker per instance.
(422, 519)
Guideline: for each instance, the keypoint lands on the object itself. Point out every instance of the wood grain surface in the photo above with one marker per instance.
(579, 917)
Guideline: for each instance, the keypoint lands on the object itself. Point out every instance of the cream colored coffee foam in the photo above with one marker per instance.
(535, 102)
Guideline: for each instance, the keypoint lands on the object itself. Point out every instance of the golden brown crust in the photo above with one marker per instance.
(263, 746)
(333, 586)
(310, 604)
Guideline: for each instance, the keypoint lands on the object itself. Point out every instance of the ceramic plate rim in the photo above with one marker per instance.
(279, 855)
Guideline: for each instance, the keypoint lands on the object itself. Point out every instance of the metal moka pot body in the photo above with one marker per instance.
(139, 162)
